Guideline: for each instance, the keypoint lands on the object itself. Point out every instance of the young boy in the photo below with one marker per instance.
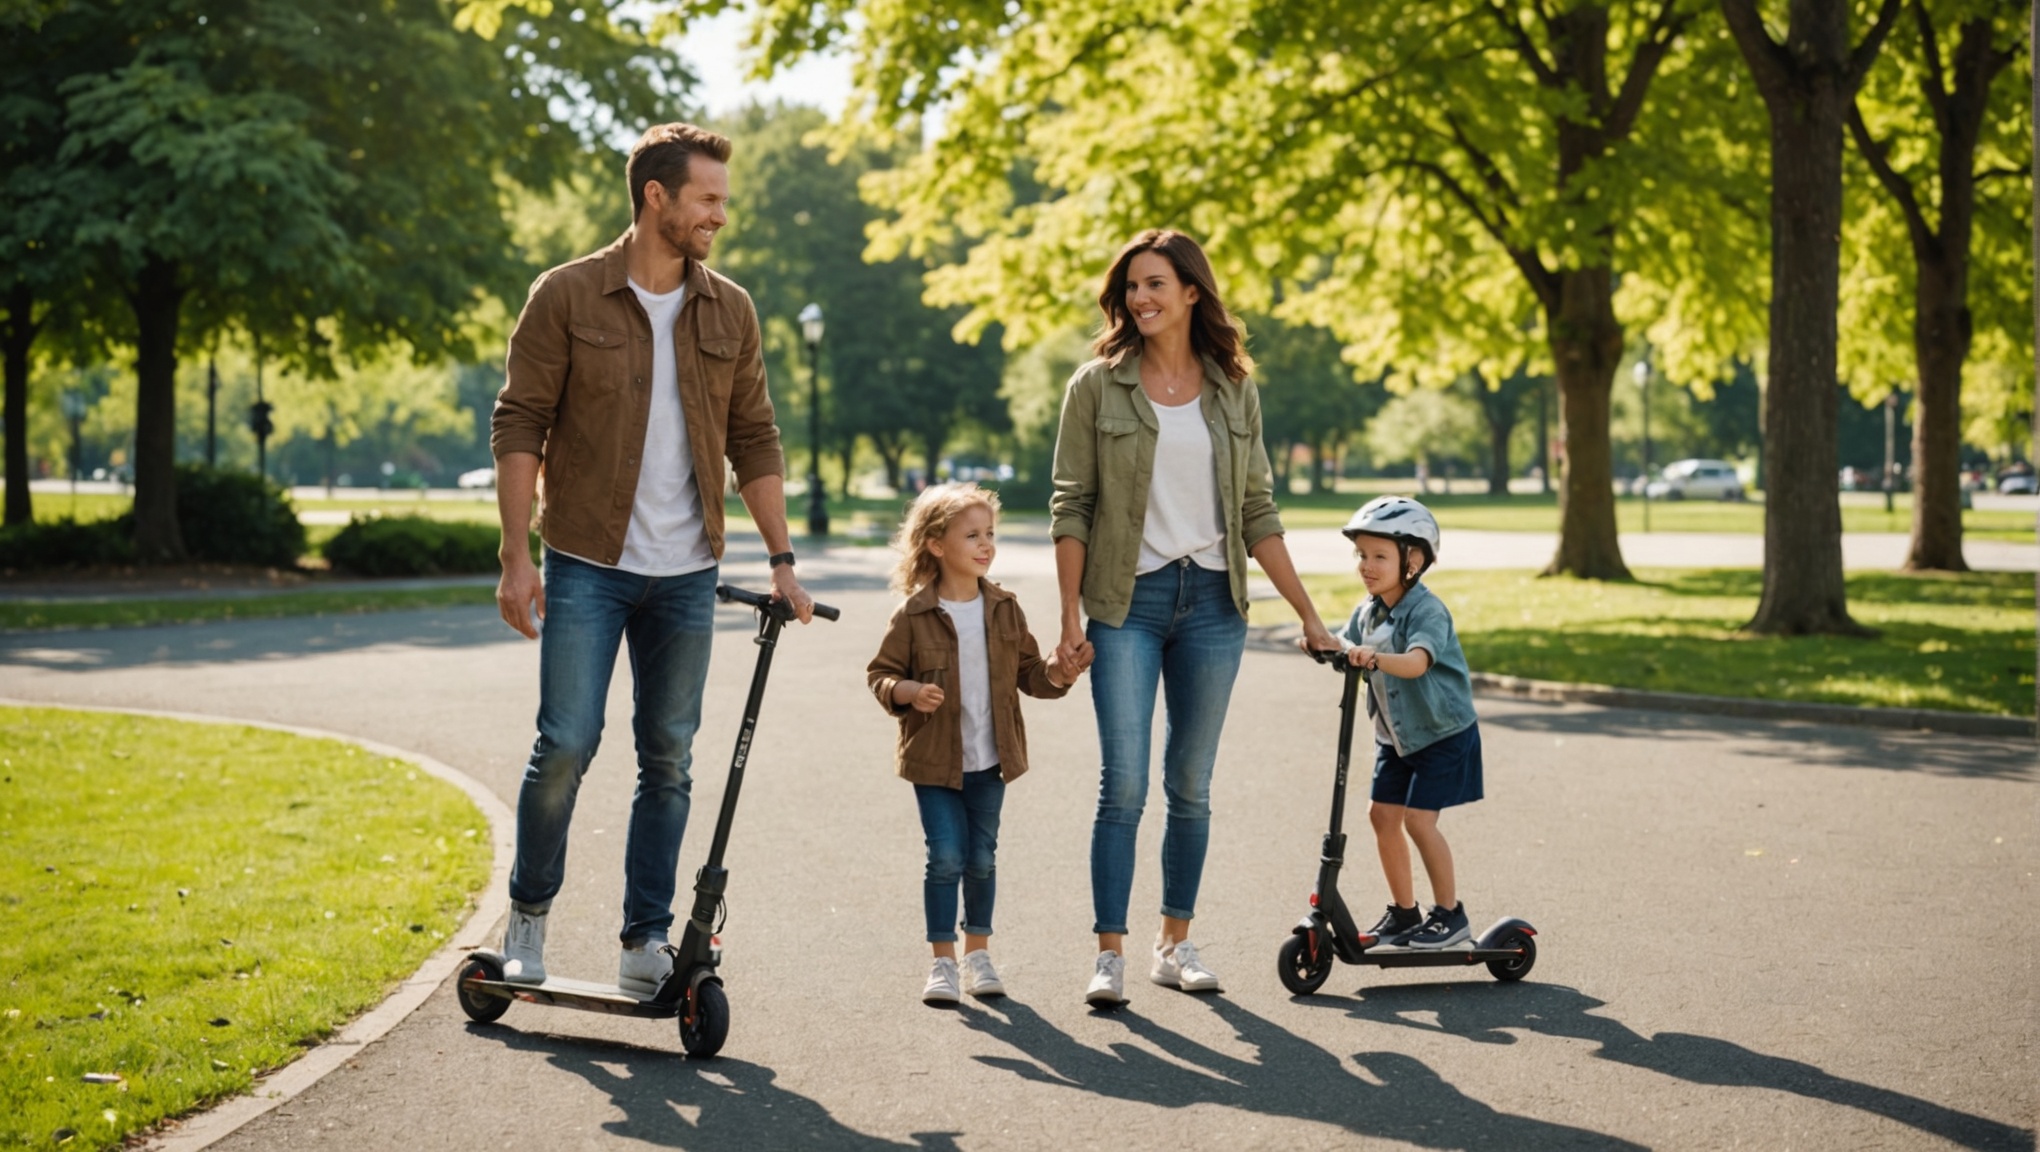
(1421, 700)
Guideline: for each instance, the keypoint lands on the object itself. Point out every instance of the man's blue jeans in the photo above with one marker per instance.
(669, 623)
(962, 828)
(1183, 630)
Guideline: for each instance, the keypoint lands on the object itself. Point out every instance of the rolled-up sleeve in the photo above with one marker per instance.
(1076, 463)
(534, 373)
(1429, 628)
(1033, 673)
(893, 662)
(753, 444)
(1259, 517)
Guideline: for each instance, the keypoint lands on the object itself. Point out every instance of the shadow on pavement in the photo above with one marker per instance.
(1397, 1098)
(1486, 1013)
(1818, 744)
(672, 1102)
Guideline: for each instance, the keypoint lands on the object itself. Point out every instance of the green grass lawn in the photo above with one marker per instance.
(189, 905)
(19, 615)
(1957, 643)
(1533, 512)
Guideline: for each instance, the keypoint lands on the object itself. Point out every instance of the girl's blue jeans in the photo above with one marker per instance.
(669, 624)
(1184, 631)
(962, 826)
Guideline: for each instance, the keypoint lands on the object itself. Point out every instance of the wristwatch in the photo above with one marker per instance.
(778, 558)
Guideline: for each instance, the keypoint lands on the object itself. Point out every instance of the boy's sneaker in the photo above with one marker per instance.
(1443, 928)
(980, 979)
(942, 983)
(644, 968)
(1180, 967)
(524, 948)
(1108, 981)
(1394, 925)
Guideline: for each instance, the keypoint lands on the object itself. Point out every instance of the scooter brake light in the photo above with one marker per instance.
(1365, 940)
(1313, 899)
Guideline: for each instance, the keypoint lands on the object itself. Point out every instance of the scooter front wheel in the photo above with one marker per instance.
(706, 1023)
(1302, 972)
(481, 1007)
(1512, 970)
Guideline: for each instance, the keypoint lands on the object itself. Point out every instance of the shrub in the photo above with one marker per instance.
(412, 546)
(236, 518)
(66, 543)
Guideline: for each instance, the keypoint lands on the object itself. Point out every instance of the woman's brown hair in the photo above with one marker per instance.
(1213, 331)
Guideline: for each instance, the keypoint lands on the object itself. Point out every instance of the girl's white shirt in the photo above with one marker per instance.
(973, 682)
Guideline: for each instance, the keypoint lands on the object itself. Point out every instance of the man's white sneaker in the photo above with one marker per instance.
(942, 982)
(980, 979)
(1180, 967)
(1108, 981)
(644, 968)
(524, 948)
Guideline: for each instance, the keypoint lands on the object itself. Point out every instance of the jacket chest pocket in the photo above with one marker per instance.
(931, 666)
(1118, 442)
(600, 357)
(718, 363)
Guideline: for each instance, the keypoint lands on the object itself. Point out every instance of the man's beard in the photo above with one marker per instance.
(682, 240)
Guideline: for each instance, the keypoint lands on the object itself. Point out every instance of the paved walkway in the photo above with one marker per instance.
(1753, 935)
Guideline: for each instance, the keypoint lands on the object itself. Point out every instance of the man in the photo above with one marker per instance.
(632, 374)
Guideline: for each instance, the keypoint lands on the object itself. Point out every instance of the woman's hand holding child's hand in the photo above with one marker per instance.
(1063, 673)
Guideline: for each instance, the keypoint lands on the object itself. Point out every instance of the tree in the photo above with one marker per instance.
(1808, 79)
(1452, 186)
(1428, 426)
(325, 181)
(1942, 137)
(1308, 394)
(1501, 402)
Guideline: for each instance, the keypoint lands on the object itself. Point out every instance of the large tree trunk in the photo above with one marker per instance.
(1940, 343)
(1586, 347)
(21, 329)
(1808, 84)
(157, 300)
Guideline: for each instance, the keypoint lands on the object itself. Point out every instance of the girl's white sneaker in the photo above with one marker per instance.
(942, 983)
(980, 979)
(1108, 981)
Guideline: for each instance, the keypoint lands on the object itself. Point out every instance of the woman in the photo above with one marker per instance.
(1162, 491)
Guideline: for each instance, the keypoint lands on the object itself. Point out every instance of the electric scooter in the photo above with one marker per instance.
(694, 991)
(1328, 932)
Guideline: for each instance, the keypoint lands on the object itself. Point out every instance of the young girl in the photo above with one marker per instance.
(955, 658)
(1418, 692)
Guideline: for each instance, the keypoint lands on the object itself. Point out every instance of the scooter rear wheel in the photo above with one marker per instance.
(1509, 971)
(706, 1024)
(1302, 973)
(480, 1007)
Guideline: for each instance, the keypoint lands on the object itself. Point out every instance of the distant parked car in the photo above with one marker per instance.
(479, 478)
(1856, 479)
(2018, 484)
(1696, 480)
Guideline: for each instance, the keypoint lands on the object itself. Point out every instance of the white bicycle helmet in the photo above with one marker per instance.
(1402, 520)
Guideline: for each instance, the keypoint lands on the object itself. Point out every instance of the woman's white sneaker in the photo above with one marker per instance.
(980, 979)
(1178, 966)
(942, 983)
(1108, 981)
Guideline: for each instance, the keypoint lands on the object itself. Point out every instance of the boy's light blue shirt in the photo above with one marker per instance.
(1437, 704)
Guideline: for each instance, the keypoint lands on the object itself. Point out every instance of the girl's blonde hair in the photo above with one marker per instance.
(928, 519)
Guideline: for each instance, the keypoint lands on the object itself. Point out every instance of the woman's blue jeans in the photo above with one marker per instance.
(1183, 630)
(962, 826)
(669, 623)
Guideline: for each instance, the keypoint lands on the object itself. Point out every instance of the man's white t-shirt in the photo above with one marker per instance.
(1182, 505)
(666, 536)
(973, 684)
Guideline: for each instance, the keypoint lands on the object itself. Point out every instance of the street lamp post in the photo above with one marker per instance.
(818, 506)
(74, 411)
(1642, 372)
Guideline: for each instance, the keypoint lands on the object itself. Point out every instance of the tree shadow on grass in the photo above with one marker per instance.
(1404, 1099)
(702, 1106)
(1699, 740)
(1987, 589)
(1491, 1014)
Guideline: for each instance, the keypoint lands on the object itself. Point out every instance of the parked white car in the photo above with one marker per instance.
(479, 478)
(1697, 480)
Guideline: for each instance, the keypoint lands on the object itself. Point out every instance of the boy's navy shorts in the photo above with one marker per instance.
(1436, 776)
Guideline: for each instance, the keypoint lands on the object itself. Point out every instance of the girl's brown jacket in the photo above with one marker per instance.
(920, 644)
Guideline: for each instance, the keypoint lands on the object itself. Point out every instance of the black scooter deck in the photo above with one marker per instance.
(1433, 957)
(561, 992)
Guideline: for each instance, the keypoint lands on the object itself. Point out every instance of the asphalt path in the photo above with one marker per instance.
(1752, 935)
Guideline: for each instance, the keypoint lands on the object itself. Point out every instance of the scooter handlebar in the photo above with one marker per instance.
(765, 602)
(1336, 659)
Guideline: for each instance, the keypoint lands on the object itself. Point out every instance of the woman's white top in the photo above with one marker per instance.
(1182, 504)
(973, 684)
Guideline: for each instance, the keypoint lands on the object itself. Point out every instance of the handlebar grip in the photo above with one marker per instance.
(763, 601)
(1336, 659)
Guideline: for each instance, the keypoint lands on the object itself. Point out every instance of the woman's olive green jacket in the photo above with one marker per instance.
(1105, 457)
